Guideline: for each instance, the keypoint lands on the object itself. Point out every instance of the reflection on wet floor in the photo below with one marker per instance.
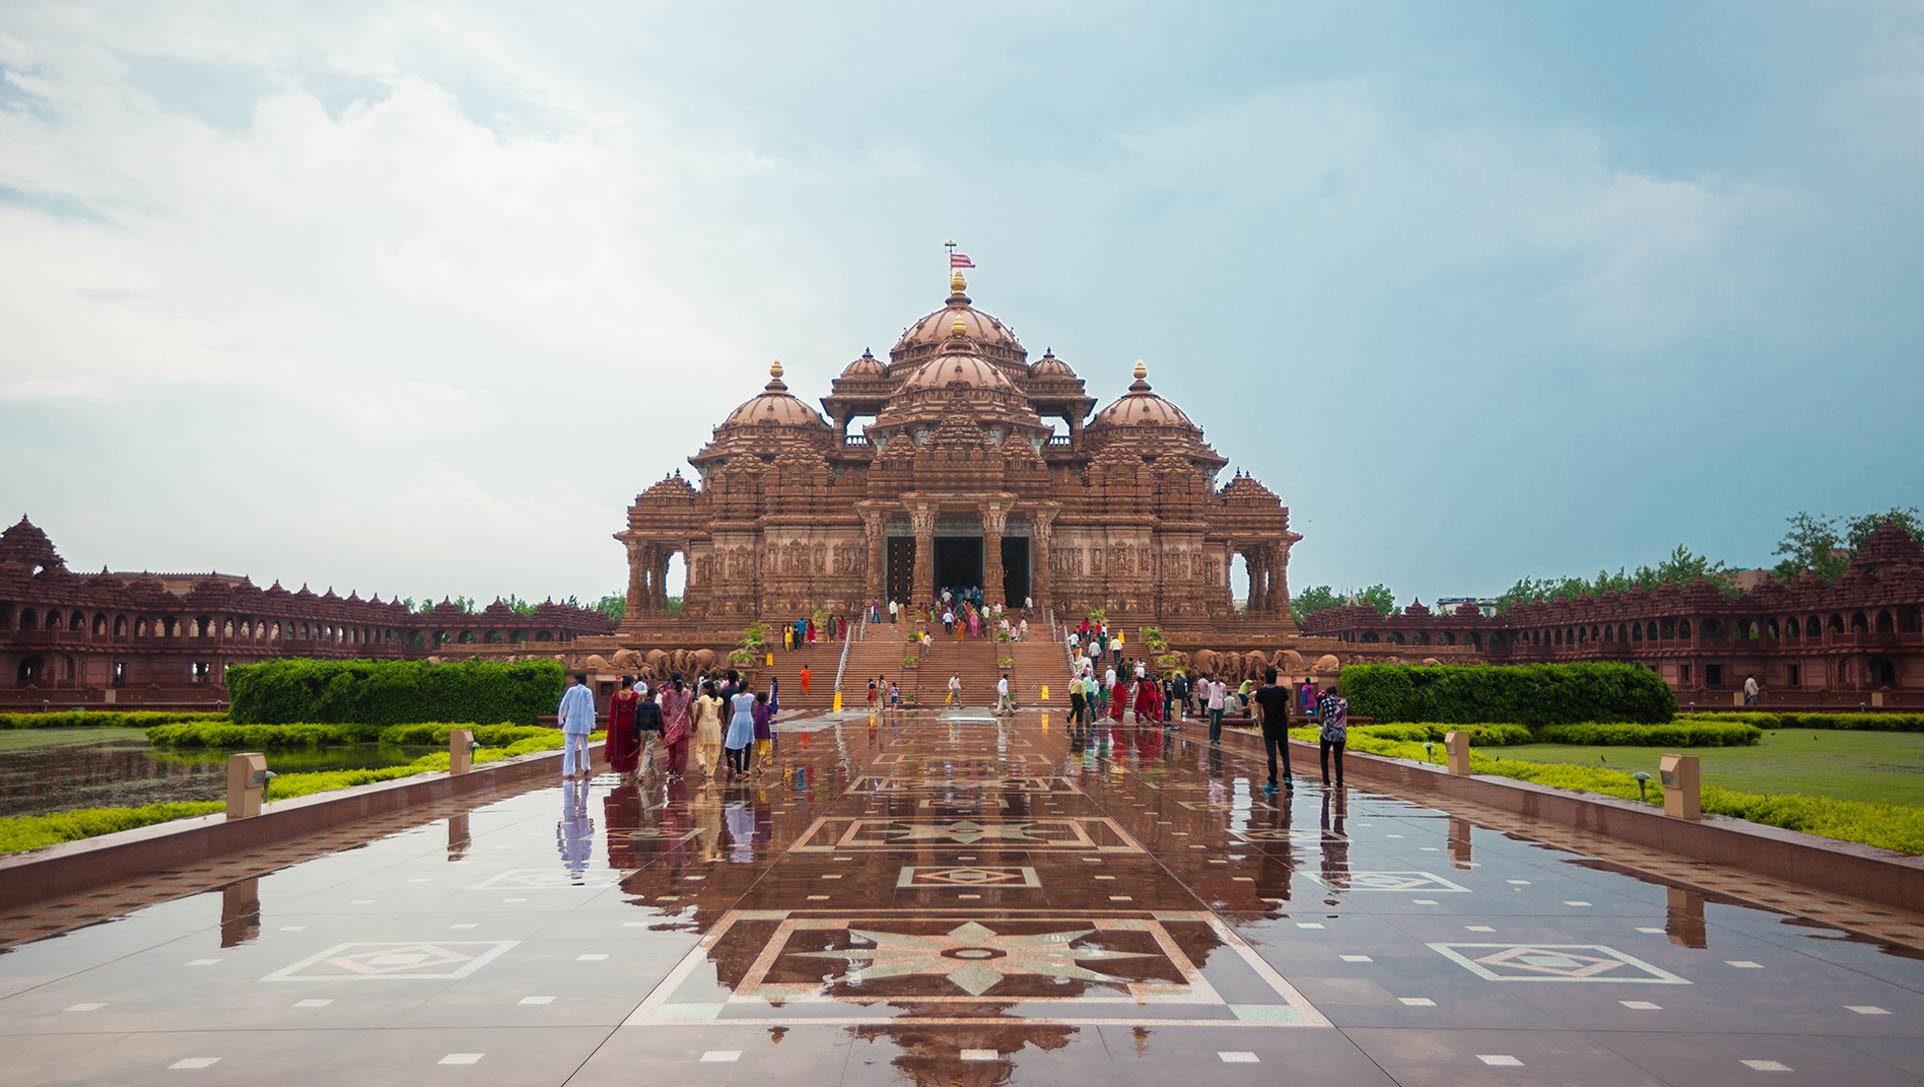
(963, 900)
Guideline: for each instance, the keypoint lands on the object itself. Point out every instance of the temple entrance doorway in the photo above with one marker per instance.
(900, 582)
(958, 562)
(1015, 570)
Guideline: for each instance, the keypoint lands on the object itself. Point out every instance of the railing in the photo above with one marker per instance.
(861, 632)
(1061, 441)
(854, 439)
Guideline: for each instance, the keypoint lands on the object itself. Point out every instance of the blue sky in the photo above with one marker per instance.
(413, 299)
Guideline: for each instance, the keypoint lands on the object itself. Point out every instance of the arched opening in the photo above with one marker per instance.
(1609, 633)
(77, 622)
(1370, 636)
(1883, 672)
(7, 617)
(467, 637)
(1239, 580)
(1396, 637)
(1791, 628)
(1886, 623)
(1683, 629)
(1449, 637)
(53, 620)
(1650, 631)
(674, 583)
(31, 673)
(1835, 624)
(1669, 629)
(1859, 624)
(1907, 618)
(1770, 629)
(1636, 632)
(100, 624)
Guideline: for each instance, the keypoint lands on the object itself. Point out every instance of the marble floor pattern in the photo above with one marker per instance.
(960, 901)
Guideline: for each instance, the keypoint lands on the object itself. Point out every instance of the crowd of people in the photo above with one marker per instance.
(728, 728)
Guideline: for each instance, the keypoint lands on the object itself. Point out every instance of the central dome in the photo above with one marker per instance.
(976, 325)
(966, 370)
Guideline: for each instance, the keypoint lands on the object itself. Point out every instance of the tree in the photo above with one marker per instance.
(1904, 517)
(1312, 600)
(1379, 597)
(1811, 543)
(614, 606)
(1322, 598)
(1682, 568)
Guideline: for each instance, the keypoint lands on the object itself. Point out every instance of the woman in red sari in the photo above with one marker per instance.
(624, 749)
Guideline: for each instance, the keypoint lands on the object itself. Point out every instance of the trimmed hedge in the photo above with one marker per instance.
(1533, 694)
(1675, 734)
(101, 719)
(23, 832)
(1898, 827)
(34, 831)
(223, 734)
(1481, 735)
(1590, 733)
(1857, 722)
(393, 692)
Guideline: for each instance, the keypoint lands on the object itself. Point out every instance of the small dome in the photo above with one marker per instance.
(1141, 406)
(955, 368)
(775, 405)
(976, 325)
(866, 366)
(1048, 366)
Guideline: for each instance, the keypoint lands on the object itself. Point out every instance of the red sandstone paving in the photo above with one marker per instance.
(939, 902)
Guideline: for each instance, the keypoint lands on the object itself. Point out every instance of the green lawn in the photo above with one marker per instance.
(1876, 766)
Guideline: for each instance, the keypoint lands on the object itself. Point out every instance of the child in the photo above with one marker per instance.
(764, 729)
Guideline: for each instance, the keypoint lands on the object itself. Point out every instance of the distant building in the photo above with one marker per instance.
(1450, 605)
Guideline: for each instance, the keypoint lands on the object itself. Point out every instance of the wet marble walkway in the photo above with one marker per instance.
(958, 901)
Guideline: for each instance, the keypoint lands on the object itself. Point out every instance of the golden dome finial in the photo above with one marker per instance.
(957, 327)
(1141, 370)
(957, 285)
(775, 370)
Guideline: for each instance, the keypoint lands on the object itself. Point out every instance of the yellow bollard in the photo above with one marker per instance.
(1045, 721)
(838, 701)
(1045, 692)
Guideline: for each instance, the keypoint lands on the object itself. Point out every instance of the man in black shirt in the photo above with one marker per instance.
(1275, 701)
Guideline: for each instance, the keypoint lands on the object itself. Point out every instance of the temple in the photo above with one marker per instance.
(958, 463)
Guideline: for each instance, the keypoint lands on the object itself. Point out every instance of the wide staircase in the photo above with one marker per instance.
(972, 660)
(1039, 663)
(821, 659)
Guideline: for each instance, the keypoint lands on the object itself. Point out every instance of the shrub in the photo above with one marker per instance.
(1897, 827)
(1535, 694)
(393, 692)
(1481, 735)
(101, 719)
(1873, 722)
(1674, 734)
(267, 737)
(34, 831)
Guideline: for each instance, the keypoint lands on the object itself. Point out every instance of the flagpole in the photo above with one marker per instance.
(950, 246)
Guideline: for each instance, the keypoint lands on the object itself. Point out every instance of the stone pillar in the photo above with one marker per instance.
(1043, 526)
(1681, 796)
(922, 518)
(873, 527)
(635, 586)
(246, 781)
(994, 520)
(1282, 580)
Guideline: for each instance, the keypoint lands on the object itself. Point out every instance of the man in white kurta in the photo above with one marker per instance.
(577, 714)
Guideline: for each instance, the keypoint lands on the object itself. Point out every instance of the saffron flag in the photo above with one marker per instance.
(960, 260)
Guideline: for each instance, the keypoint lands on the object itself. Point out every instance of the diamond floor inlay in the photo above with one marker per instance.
(962, 901)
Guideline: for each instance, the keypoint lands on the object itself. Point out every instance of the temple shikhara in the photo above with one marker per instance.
(959, 463)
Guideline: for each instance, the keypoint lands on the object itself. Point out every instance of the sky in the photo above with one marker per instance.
(414, 299)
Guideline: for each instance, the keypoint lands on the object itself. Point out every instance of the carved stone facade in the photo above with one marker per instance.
(71, 639)
(946, 467)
